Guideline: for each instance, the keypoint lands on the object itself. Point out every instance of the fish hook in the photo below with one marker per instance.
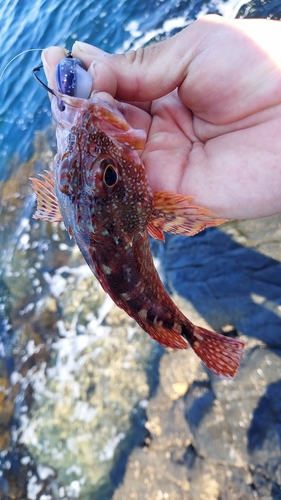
(34, 72)
(38, 68)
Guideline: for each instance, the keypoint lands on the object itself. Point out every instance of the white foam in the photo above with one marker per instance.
(33, 489)
(108, 451)
(231, 8)
(139, 38)
(83, 412)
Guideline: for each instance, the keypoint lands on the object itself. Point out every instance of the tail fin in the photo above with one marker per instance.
(219, 353)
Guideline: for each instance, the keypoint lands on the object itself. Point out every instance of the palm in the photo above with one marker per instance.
(220, 165)
(221, 140)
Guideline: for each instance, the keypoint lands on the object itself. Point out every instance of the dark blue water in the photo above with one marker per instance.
(110, 24)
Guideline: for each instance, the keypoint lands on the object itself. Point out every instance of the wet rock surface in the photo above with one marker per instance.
(211, 438)
(91, 408)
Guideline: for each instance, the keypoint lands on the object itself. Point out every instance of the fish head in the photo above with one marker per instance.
(101, 182)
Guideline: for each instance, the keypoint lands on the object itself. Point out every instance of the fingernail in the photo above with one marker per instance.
(82, 46)
(92, 70)
(45, 60)
(87, 48)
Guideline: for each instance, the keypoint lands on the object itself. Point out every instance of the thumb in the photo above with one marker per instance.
(144, 74)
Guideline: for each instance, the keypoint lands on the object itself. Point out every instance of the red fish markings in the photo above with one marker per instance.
(99, 189)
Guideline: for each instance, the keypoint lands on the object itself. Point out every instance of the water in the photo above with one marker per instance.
(113, 26)
(57, 329)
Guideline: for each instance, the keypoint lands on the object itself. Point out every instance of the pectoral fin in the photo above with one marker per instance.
(47, 203)
(155, 232)
(174, 213)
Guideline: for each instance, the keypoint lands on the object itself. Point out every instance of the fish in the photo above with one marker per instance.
(99, 188)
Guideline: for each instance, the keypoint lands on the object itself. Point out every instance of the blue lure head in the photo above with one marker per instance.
(71, 78)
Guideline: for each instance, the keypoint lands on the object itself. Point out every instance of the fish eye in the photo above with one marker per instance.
(110, 176)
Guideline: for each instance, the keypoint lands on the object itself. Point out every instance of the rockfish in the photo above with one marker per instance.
(99, 189)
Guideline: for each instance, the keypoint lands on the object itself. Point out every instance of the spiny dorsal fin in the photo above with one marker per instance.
(174, 213)
(47, 203)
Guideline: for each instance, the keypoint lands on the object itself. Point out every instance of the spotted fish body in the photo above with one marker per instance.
(99, 189)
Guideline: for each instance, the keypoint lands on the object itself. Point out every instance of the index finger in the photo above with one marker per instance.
(50, 58)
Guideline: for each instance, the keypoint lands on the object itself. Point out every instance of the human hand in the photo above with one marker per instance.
(209, 99)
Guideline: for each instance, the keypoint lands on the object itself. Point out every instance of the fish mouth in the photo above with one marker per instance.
(66, 108)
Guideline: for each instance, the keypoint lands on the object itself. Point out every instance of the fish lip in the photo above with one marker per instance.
(74, 106)
(74, 102)
(81, 103)
(85, 104)
(67, 116)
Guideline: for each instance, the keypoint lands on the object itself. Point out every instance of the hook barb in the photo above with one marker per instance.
(34, 72)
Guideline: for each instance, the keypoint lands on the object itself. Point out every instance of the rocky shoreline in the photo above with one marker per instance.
(91, 408)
